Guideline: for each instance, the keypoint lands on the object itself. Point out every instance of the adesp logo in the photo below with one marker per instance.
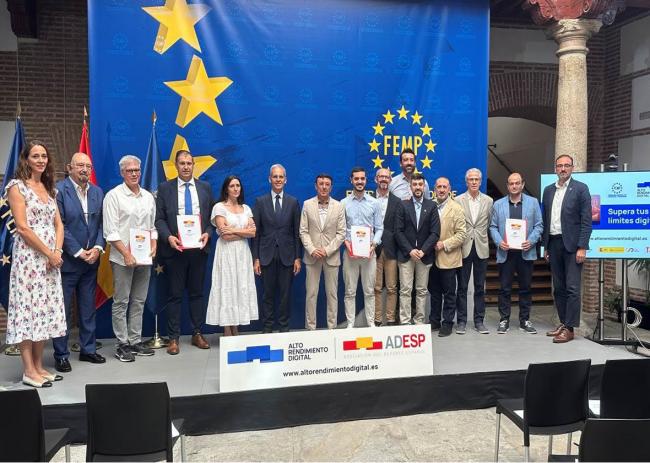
(262, 353)
(403, 341)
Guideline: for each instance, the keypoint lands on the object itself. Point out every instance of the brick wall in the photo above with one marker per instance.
(50, 78)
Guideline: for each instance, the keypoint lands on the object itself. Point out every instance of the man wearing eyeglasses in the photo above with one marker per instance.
(80, 206)
(567, 228)
(129, 210)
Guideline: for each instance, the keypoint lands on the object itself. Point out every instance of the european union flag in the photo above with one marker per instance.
(7, 225)
(152, 175)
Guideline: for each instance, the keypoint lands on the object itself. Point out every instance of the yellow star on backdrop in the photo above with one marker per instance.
(6, 260)
(378, 162)
(416, 171)
(426, 130)
(431, 146)
(198, 93)
(3, 202)
(403, 112)
(379, 129)
(374, 146)
(388, 117)
(201, 163)
(416, 118)
(177, 20)
(159, 269)
(426, 162)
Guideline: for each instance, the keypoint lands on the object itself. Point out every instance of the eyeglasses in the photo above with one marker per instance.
(132, 171)
(566, 166)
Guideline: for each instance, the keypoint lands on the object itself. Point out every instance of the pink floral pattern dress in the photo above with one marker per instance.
(36, 310)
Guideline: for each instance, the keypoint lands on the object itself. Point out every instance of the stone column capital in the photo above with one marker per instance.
(571, 35)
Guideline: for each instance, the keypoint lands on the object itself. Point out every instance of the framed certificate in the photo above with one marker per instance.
(360, 241)
(140, 246)
(515, 233)
(189, 231)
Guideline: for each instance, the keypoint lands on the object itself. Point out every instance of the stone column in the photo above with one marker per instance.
(571, 36)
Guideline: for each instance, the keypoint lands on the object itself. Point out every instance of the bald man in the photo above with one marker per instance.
(80, 206)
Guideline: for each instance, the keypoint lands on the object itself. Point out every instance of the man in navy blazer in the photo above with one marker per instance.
(567, 229)
(185, 268)
(80, 206)
(417, 230)
(276, 248)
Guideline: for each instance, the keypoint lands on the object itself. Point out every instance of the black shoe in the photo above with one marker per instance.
(435, 326)
(267, 330)
(123, 353)
(141, 349)
(445, 330)
(92, 358)
(62, 365)
(284, 330)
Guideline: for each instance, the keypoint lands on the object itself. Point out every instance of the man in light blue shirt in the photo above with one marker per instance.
(362, 210)
(400, 185)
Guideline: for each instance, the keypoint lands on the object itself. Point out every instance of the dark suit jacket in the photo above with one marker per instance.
(575, 216)
(79, 234)
(272, 231)
(410, 235)
(388, 244)
(167, 210)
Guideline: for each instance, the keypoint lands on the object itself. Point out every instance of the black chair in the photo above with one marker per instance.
(22, 435)
(555, 402)
(624, 389)
(615, 440)
(130, 422)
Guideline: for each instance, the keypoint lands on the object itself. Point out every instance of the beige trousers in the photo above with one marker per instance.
(409, 271)
(312, 283)
(352, 270)
(386, 274)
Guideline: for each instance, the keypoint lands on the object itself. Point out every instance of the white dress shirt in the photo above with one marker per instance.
(555, 227)
(196, 210)
(124, 210)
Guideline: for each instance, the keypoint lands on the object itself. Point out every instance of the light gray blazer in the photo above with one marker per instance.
(477, 232)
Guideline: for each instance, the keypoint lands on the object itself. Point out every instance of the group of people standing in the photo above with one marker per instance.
(418, 246)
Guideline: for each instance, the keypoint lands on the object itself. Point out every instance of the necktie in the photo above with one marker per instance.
(278, 207)
(188, 200)
(418, 208)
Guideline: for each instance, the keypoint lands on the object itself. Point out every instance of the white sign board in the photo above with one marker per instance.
(301, 358)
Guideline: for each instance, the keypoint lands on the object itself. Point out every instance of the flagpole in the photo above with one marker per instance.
(13, 350)
(157, 342)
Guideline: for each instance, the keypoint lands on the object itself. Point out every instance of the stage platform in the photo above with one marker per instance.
(470, 371)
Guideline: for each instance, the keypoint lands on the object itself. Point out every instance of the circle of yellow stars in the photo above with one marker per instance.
(416, 119)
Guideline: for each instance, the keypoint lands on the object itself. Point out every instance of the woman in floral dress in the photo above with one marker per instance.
(35, 311)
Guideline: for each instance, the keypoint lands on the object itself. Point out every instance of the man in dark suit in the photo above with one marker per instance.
(417, 232)
(80, 206)
(185, 268)
(386, 252)
(276, 247)
(567, 229)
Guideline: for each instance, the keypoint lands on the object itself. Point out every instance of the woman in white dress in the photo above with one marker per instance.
(233, 297)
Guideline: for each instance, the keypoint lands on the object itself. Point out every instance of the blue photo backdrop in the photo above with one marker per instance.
(318, 86)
